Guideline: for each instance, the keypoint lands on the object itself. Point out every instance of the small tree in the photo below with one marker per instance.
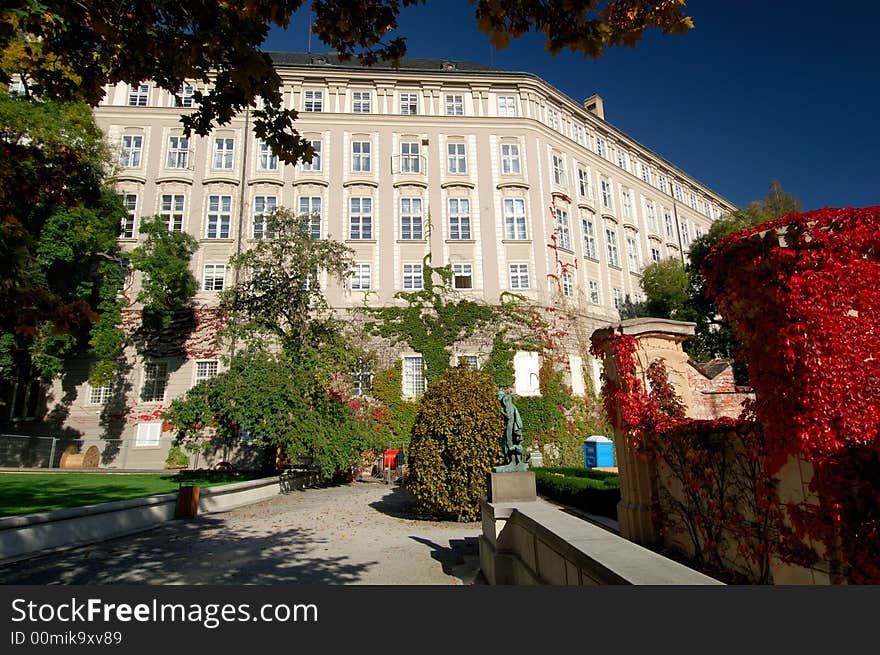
(456, 440)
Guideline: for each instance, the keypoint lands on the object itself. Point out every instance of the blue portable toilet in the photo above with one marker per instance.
(598, 452)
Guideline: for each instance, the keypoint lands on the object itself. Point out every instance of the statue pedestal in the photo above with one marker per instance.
(513, 486)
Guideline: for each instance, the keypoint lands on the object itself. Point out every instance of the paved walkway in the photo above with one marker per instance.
(362, 533)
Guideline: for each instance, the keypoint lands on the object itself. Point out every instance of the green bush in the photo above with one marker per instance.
(594, 495)
(579, 472)
(176, 457)
(456, 440)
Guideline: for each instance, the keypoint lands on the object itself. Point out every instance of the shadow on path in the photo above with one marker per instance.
(400, 504)
(461, 559)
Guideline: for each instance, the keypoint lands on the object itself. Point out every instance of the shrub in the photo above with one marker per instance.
(176, 458)
(456, 440)
(596, 496)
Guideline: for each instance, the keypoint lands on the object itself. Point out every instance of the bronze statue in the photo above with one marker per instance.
(511, 444)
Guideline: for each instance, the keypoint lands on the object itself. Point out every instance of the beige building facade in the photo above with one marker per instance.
(517, 186)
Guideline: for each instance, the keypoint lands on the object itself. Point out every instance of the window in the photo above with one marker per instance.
(178, 152)
(510, 159)
(219, 217)
(361, 379)
(455, 158)
(552, 119)
(685, 235)
(138, 95)
(622, 159)
(99, 395)
(670, 226)
(602, 147)
(409, 157)
(360, 157)
(646, 173)
(617, 295)
(611, 243)
(580, 135)
(413, 376)
(559, 170)
(507, 106)
(313, 100)
(148, 435)
(661, 183)
(459, 219)
(585, 189)
(594, 293)
(155, 381)
(589, 239)
(214, 277)
(632, 254)
(679, 195)
(606, 193)
(185, 96)
(171, 208)
(656, 255)
(409, 104)
(470, 361)
(519, 276)
(698, 231)
(412, 277)
(264, 205)
(129, 200)
(224, 151)
(567, 284)
(360, 218)
(313, 166)
(205, 370)
(651, 213)
(692, 199)
(311, 206)
(454, 105)
(130, 154)
(360, 279)
(361, 102)
(515, 219)
(411, 219)
(563, 229)
(462, 276)
(266, 161)
(626, 196)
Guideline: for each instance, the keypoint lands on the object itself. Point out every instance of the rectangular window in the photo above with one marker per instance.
(313, 100)
(360, 157)
(412, 277)
(515, 219)
(567, 284)
(580, 135)
(138, 94)
(361, 102)
(263, 205)
(130, 153)
(454, 105)
(510, 159)
(585, 189)
(206, 370)
(185, 96)
(413, 376)
(360, 218)
(178, 152)
(311, 206)
(661, 183)
(462, 276)
(611, 243)
(602, 147)
(670, 225)
(128, 221)
(563, 229)
(224, 152)
(656, 255)
(617, 296)
(360, 279)
(313, 166)
(679, 194)
(214, 277)
(148, 435)
(606, 193)
(410, 161)
(519, 276)
(692, 199)
(99, 395)
(559, 170)
(651, 214)
(589, 239)
(411, 219)
(626, 196)
(685, 235)
(622, 159)
(646, 173)
(459, 219)
(552, 119)
(409, 104)
(155, 381)
(266, 161)
(594, 293)
(361, 379)
(632, 254)
(456, 159)
(219, 217)
(507, 106)
(171, 207)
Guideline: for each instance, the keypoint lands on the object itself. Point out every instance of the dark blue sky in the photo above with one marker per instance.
(759, 89)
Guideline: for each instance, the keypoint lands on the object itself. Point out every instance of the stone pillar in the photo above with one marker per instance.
(654, 338)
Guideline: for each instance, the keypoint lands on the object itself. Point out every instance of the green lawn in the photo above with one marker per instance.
(25, 493)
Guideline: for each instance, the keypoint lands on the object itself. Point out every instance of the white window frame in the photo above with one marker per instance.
(266, 161)
(585, 186)
(409, 104)
(515, 223)
(459, 219)
(595, 293)
(361, 157)
(464, 270)
(205, 369)
(412, 221)
(148, 435)
(360, 218)
(131, 152)
(413, 277)
(507, 106)
(155, 379)
(172, 209)
(559, 176)
(224, 153)
(313, 100)
(138, 95)
(510, 159)
(314, 166)
(519, 277)
(588, 227)
(567, 283)
(178, 152)
(607, 194)
(185, 96)
(632, 254)
(129, 221)
(456, 158)
(611, 246)
(563, 229)
(213, 277)
(410, 157)
(312, 206)
(362, 102)
(100, 395)
(454, 104)
(263, 205)
(412, 376)
(218, 222)
(361, 277)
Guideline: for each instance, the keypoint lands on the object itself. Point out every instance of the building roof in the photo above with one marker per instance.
(331, 60)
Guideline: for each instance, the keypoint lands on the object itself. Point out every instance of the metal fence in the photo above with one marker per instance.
(30, 451)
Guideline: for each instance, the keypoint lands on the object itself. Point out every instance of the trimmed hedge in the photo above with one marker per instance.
(578, 472)
(596, 492)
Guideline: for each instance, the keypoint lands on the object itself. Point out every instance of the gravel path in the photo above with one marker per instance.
(361, 533)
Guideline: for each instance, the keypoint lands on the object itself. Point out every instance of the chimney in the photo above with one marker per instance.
(594, 105)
